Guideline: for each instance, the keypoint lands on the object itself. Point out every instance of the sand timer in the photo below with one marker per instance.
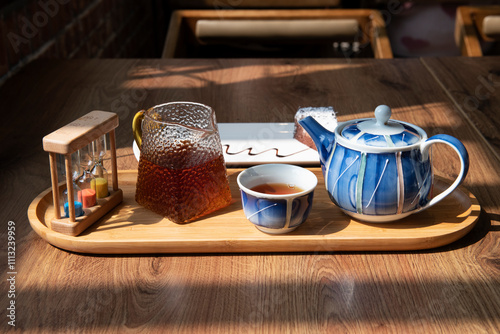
(75, 174)
(100, 173)
(68, 141)
(86, 194)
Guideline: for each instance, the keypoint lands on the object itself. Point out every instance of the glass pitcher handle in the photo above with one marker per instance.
(137, 127)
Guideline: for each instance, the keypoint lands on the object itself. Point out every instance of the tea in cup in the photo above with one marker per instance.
(277, 198)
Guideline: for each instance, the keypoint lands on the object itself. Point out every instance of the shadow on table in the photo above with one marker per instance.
(153, 297)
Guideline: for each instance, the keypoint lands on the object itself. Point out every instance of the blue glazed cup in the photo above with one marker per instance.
(274, 213)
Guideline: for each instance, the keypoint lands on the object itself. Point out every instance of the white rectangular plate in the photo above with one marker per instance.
(246, 144)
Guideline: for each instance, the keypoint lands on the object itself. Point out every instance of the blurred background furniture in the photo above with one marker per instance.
(477, 30)
(255, 4)
(309, 33)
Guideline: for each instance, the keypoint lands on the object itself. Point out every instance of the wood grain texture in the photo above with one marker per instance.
(474, 86)
(80, 132)
(454, 288)
(54, 182)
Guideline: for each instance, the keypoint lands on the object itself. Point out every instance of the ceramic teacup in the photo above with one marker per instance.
(277, 198)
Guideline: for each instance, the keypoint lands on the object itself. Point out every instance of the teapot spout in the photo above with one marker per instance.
(322, 138)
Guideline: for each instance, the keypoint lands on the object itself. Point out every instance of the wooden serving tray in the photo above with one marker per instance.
(129, 228)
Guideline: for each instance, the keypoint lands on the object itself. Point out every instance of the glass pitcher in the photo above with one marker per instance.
(182, 174)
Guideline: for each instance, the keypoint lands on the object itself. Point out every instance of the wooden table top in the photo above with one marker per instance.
(474, 86)
(455, 288)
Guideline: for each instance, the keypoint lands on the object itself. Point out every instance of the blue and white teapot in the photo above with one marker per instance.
(379, 170)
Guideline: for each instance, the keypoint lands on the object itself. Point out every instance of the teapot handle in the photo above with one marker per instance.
(137, 127)
(464, 162)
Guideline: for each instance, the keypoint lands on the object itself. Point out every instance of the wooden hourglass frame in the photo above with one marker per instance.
(68, 140)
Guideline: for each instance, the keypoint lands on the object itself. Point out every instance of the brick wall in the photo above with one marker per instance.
(67, 29)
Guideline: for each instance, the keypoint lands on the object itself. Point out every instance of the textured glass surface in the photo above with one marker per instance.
(182, 174)
(180, 135)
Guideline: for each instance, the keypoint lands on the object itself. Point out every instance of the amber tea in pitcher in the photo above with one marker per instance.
(182, 174)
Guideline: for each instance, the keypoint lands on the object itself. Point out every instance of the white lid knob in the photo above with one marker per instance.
(381, 125)
(382, 114)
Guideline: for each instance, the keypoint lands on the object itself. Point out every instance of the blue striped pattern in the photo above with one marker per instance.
(378, 183)
(406, 138)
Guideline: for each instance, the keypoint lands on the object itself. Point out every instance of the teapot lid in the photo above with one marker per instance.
(382, 131)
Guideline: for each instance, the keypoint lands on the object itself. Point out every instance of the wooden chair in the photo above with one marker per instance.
(194, 29)
(475, 25)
